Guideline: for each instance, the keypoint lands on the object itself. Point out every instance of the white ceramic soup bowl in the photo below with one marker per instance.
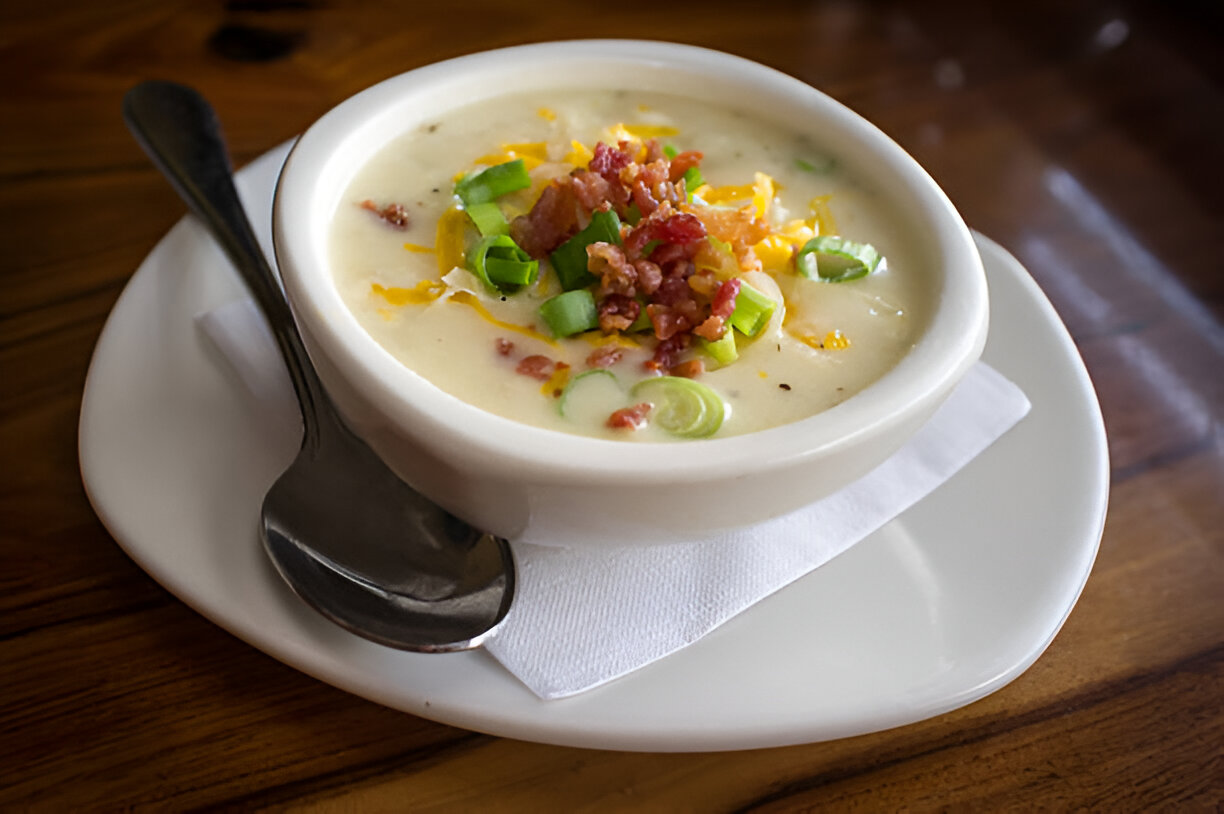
(521, 481)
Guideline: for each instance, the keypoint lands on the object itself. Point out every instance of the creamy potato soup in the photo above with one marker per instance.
(627, 266)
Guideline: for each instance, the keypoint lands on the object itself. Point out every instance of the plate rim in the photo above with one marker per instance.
(546, 728)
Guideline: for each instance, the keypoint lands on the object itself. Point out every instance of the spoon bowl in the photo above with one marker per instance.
(347, 535)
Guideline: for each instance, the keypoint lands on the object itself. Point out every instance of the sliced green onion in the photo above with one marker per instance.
(505, 273)
(722, 350)
(642, 323)
(587, 383)
(834, 260)
(682, 407)
(570, 258)
(752, 310)
(692, 179)
(492, 183)
(633, 215)
(489, 219)
(820, 166)
(501, 265)
(670, 151)
(570, 313)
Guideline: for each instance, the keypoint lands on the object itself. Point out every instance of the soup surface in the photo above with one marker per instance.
(630, 266)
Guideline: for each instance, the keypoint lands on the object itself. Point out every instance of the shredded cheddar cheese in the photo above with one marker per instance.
(728, 194)
(774, 252)
(527, 149)
(836, 340)
(556, 382)
(833, 340)
(547, 114)
(419, 249)
(579, 155)
(618, 339)
(798, 232)
(645, 131)
(533, 156)
(448, 242)
(763, 190)
(822, 217)
(424, 291)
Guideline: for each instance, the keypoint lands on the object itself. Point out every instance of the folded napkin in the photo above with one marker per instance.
(582, 618)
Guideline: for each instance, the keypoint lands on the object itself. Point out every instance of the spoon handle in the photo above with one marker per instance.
(180, 132)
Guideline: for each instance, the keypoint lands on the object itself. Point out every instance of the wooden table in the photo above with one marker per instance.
(1085, 137)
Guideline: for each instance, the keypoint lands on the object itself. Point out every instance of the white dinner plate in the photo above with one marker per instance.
(942, 606)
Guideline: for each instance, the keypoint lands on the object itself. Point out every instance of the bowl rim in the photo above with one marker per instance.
(952, 341)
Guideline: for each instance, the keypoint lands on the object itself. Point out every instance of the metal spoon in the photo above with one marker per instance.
(350, 538)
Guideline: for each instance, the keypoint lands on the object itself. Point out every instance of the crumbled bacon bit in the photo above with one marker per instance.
(392, 214)
(609, 161)
(616, 275)
(649, 276)
(682, 228)
(711, 328)
(667, 353)
(604, 356)
(689, 370)
(654, 267)
(504, 346)
(537, 366)
(650, 185)
(654, 151)
(673, 290)
(723, 304)
(592, 190)
(675, 260)
(551, 222)
(664, 224)
(629, 418)
(666, 321)
(617, 312)
(683, 162)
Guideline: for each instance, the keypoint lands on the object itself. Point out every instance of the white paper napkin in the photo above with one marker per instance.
(582, 618)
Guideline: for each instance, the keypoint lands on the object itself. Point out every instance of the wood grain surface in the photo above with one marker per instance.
(1088, 138)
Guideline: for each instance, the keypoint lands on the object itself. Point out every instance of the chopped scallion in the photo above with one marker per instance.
(585, 382)
(682, 407)
(492, 183)
(752, 310)
(670, 151)
(820, 166)
(692, 180)
(642, 323)
(489, 219)
(570, 258)
(508, 273)
(832, 259)
(501, 265)
(570, 313)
